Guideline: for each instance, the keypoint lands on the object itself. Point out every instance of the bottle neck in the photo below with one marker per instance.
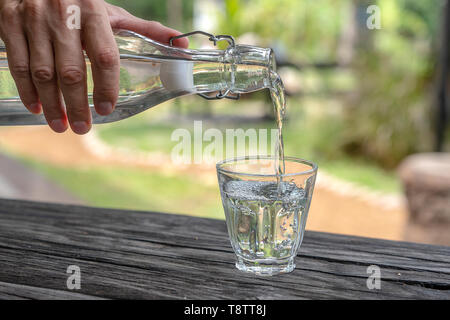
(238, 69)
(251, 68)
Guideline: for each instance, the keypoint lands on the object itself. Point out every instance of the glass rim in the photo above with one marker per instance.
(313, 166)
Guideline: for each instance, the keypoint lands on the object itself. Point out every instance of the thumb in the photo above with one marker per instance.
(151, 29)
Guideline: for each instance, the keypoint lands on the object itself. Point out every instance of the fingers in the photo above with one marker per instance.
(47, 59)
(71, 72)
(150, 29)
(103, 54)
(43, 67)
(18, 59)
(45, 81)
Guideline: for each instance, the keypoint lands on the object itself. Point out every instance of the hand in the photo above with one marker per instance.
(47, 62)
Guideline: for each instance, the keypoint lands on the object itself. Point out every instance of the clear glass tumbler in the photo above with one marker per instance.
(266, 213)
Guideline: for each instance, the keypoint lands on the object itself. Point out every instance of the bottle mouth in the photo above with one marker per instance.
(252, 68)
(272, 61)
(251, 55)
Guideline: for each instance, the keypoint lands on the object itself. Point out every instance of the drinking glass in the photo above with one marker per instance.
(266, 213)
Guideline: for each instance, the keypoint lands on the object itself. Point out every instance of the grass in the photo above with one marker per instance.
(306, 136)
(138, 134)
(136, 189)
(363, 174)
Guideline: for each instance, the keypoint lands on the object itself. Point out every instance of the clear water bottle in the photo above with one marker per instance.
(151, 73)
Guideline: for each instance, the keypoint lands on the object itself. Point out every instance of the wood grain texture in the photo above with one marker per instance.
(146, 255)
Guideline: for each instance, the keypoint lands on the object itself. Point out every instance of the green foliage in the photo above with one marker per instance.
(152, 10)
(308, 29)
(388, 116)
(388, 113)
(156, 10)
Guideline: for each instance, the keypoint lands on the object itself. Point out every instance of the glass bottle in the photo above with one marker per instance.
(151, 73)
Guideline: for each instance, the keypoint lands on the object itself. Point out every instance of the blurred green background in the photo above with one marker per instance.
(359, 100)
(379, 82)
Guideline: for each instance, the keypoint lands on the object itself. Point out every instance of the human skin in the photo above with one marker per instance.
(46, 57)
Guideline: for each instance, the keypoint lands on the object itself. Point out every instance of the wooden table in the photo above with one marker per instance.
(146, 255)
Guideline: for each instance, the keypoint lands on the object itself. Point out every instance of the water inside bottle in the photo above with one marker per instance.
(145, 81)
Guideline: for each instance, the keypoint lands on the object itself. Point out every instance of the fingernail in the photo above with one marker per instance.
(105, 108)
(58, 125)
(80, 127)
(35, 108)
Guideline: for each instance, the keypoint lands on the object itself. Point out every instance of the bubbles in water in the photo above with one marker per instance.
(263, 217)
(263, 191)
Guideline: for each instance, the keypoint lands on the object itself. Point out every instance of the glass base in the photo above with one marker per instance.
(263, 267)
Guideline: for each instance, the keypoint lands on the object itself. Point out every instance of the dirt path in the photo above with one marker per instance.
(330, 211)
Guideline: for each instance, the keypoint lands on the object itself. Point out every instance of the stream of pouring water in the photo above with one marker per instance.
(264, 216)
(279, 102)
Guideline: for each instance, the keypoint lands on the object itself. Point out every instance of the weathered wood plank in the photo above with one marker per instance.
(21, 292)
(150, 255)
